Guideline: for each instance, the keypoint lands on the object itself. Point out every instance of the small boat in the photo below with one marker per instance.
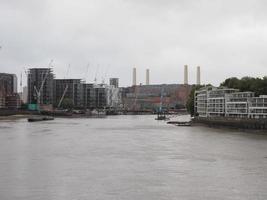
(162, 117)
(40, 118)
(179, 123)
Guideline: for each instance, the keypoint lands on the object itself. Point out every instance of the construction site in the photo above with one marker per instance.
(47, 93)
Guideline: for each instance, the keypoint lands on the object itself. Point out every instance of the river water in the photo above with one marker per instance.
(129, 158)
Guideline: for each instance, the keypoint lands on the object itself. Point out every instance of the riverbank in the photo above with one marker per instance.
(5, 113)
(233, 123)
(13, 117)
(10, 112)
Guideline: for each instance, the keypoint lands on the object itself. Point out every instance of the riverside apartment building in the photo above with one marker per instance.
(227, 102)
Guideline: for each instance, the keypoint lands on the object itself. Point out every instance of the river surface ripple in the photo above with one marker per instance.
(129, 158)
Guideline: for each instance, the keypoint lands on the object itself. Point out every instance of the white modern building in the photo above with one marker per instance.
(258, 107)
(216, 103)
(201, 102)
(210, 101)
(113, 97)
(237, 104)
(110, 96)
(227, 102)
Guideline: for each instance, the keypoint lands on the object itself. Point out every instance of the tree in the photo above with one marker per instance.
(231, 83)
(257, 85)
(190, 104)
(67, 104)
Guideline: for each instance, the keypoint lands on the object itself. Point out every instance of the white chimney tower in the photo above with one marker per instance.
(134, 76)
(198, 76)
(147, 77)
(186, 75)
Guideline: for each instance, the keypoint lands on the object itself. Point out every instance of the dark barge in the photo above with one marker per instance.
(40, 118)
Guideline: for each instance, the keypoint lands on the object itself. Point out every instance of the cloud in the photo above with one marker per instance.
(226, 38)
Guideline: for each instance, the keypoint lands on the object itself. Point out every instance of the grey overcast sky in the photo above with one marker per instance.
(225, 37)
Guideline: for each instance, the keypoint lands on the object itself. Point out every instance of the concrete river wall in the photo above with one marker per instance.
(253, 124)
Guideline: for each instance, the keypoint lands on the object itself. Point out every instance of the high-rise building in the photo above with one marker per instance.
(113, 97)
(100, 96)
(114, 82)
(8, 83)
(89, 96)
(40, 83)
(71, 89)
(8, 87)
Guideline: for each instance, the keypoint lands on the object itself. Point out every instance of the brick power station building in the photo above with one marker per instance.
(151, 97)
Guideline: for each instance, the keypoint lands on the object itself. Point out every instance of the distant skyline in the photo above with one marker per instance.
(225, 38)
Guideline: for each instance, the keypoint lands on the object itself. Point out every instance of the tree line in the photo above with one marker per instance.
(257, 85)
